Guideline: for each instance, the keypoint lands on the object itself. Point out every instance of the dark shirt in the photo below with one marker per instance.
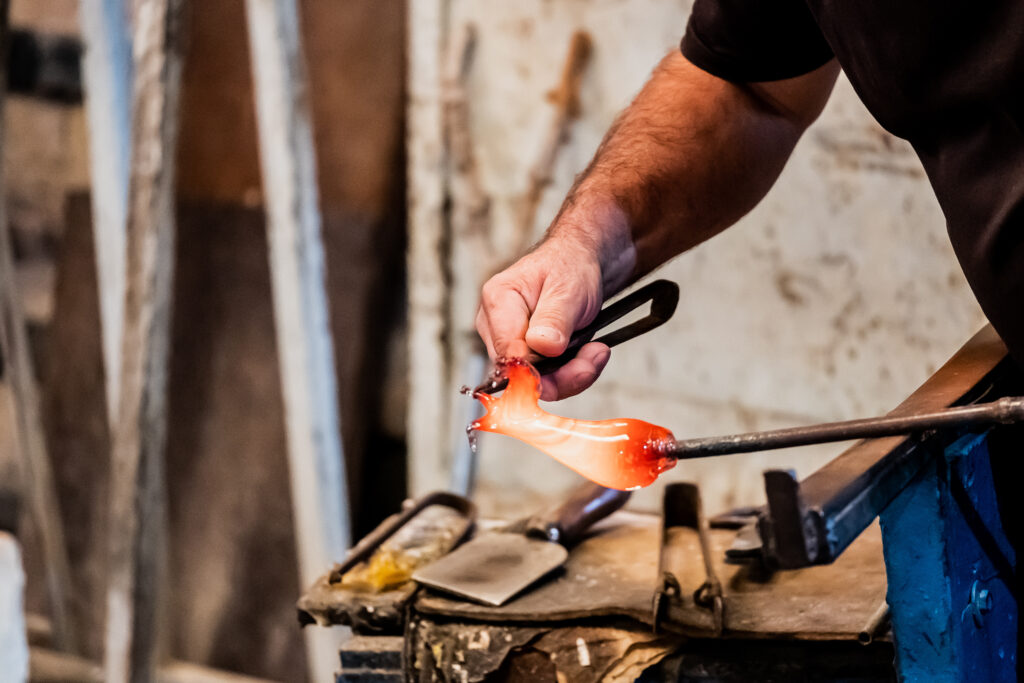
(946, 75)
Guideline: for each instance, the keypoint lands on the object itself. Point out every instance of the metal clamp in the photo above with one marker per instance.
(704, 608)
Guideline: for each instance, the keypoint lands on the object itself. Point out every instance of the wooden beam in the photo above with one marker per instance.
(137, 495)
(35, 460)
(107, 72)
(304, 345)
(429, 415)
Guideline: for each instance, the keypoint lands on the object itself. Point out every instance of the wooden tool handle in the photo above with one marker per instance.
(567, 523)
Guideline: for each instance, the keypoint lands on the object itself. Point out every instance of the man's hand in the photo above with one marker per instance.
(690, 156)
(536, 305)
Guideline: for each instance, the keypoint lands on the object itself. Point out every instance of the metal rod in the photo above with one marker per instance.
(873, 628)
(1003, 411)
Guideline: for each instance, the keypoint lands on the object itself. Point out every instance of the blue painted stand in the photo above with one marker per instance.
(947, 559)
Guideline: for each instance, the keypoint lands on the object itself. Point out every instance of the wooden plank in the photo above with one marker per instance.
(49, 666)
(35, 460)
(107, 72)
(13, 644)
(429, 435)
(137, 521)
(74, 414)
(187, 672)
(304, 345)
(471, 257)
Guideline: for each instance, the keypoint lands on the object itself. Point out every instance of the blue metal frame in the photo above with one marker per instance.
(950, 570)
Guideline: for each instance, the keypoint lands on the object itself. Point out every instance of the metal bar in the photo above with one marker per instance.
(1004, 411)
(812, 521)
(304, 345)
(35, 459)
(137, 527)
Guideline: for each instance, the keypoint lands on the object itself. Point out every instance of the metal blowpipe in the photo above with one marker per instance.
(1004, 411)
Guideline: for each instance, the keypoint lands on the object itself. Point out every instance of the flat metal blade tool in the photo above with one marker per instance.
(494, 567)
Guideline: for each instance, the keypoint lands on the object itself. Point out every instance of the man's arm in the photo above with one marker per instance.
(690, 156)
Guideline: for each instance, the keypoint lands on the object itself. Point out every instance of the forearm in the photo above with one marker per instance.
(689, 157)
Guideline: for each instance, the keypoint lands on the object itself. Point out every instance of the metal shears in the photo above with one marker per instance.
(663, 296)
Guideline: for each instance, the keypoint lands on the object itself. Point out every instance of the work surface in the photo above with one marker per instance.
(614, 572)
(591, 621)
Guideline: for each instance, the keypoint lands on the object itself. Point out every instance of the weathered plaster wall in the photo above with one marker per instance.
(833, 299)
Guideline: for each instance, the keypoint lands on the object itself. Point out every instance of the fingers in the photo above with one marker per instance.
(576, 375)
(536, 304)
(502, 319)
(560, 310)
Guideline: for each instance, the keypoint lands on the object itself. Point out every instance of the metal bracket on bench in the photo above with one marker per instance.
(813, 521)
(682, 512)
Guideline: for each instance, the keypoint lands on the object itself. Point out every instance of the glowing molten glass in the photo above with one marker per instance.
(620, 454)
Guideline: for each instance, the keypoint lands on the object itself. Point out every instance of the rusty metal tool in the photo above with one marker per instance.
(371, 589)
(389, 527)
(1004, 411)
(495, 567)
(663, 296)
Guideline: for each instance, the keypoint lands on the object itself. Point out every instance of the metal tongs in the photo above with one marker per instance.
(663, 296)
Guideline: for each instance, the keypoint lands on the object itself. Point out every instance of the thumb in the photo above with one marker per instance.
(553, 321)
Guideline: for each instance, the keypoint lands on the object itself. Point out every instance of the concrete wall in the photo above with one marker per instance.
(833, 299)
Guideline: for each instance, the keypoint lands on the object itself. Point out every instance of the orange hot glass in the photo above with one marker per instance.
(620, 454)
